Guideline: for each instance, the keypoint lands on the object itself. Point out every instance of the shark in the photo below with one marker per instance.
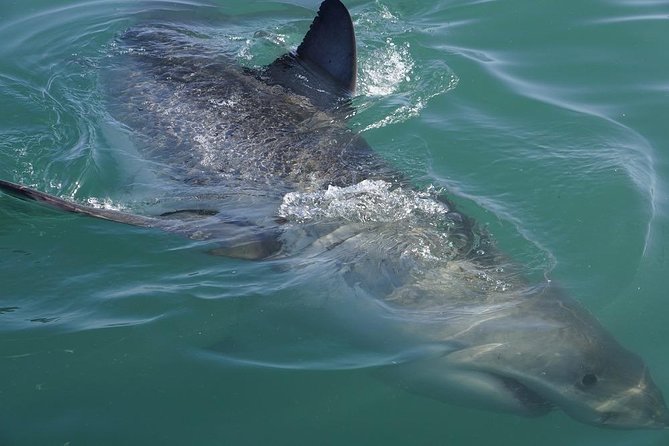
(279, 176)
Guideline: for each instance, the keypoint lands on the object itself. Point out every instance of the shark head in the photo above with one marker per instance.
(535, 353)
(616, 393)
(574, 364)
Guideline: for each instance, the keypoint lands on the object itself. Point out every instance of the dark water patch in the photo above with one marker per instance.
(4, 310)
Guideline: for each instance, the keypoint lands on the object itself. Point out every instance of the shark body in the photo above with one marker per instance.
(275, 144)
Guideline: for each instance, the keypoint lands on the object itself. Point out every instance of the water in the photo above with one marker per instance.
(546, 122)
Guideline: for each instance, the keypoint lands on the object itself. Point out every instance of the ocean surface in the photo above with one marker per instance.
(544, 121)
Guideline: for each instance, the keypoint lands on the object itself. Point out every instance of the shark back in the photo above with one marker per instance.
(214, 122)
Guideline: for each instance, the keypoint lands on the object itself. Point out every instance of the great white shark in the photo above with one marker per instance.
(274, 144)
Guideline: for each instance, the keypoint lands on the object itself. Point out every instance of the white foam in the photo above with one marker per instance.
(384, 69)
(367, 201)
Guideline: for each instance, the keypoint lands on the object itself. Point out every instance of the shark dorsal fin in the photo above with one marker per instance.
(324, 67)
(330, 44)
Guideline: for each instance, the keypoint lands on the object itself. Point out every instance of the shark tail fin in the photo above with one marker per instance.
(235, 240)
(28, 194)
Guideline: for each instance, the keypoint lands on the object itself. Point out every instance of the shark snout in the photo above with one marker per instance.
(639, 406)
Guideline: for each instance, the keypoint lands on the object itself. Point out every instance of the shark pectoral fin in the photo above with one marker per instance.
(28, 194)
(252, 245)
(188, 214)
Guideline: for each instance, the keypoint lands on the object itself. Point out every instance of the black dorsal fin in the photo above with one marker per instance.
(324, 67)
(330, 44)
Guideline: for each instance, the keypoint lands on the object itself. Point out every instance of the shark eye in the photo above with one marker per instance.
(589, 380)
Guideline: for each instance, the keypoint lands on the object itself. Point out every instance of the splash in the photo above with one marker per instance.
(392, 86)
(367, 201)
(385, 69)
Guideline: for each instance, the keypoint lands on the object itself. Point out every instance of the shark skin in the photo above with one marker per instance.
(313, 189)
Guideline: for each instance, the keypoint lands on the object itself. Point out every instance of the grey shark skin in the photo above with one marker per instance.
(273, 145)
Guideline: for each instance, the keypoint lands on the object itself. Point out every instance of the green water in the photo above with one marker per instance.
(546, 121)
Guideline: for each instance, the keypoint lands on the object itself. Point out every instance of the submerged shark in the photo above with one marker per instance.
(273, 144)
